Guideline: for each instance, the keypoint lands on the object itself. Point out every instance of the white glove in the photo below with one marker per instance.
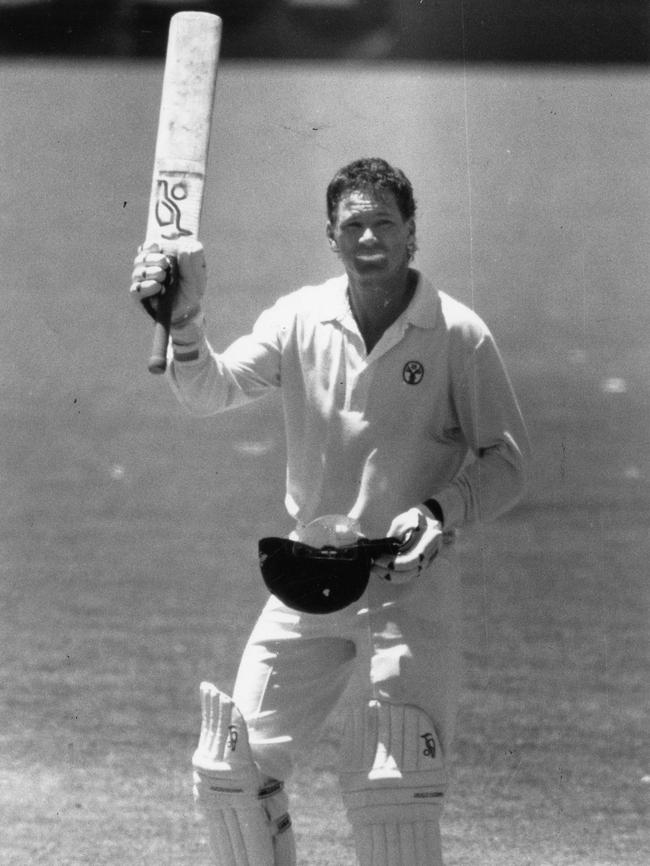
(421, 536)
(150, 269)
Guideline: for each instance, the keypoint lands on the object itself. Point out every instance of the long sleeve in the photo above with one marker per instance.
(494, 479)
(214, 382)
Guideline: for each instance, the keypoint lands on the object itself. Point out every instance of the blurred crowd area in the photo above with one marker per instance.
(562, 31)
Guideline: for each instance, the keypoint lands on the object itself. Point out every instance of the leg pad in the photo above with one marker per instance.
(393, 781)
(247, 815)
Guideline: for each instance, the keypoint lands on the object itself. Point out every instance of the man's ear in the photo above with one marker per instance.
(329, 231)
(411, 242)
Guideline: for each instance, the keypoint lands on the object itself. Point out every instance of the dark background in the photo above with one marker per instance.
(557, 31)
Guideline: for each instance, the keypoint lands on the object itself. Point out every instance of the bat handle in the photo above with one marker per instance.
(158, 360)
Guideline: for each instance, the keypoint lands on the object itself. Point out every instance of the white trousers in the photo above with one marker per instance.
(400, 644)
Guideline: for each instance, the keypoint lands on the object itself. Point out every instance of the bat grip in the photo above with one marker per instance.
(158, 360)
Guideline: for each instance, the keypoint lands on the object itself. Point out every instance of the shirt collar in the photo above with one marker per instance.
(422, 312)
(332, 304)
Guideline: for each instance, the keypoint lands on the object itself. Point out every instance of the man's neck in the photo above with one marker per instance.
(376, 305)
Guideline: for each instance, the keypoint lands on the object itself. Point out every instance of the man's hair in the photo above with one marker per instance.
(374, 175)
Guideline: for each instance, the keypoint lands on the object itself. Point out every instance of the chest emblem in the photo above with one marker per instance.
(413, 372)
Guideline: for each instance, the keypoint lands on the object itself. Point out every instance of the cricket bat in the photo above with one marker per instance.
(181, 153)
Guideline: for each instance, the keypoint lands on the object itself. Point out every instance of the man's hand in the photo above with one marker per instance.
(150, 269)
(421, 536)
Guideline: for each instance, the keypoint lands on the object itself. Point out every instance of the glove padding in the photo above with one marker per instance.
(420, 533)
(151, 268)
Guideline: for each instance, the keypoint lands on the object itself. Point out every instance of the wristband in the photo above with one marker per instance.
(187, 336)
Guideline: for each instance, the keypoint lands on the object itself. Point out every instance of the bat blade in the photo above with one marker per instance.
(182, 143)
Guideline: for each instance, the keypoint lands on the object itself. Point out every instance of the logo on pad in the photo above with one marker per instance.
(429, 745)
(233, 736)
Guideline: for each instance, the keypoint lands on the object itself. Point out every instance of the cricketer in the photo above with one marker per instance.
(400, 422)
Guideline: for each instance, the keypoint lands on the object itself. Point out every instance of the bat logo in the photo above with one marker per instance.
(168, 212)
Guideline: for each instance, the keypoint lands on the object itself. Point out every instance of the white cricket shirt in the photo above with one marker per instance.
(430, 412)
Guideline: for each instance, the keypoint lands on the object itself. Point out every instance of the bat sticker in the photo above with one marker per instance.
(180, 156)
(168, 213)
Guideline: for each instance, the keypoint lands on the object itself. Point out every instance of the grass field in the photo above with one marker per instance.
(128, 568)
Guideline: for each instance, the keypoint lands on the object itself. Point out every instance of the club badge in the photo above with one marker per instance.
(413, 372)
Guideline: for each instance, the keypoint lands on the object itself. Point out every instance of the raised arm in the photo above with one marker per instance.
(204, 381)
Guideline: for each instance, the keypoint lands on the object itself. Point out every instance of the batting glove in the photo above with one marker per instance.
(421, 535)
(151, 268)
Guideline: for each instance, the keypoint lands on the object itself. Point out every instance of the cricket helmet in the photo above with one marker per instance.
(325, 568)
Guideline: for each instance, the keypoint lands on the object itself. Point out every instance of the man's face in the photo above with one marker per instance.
(370, 234)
